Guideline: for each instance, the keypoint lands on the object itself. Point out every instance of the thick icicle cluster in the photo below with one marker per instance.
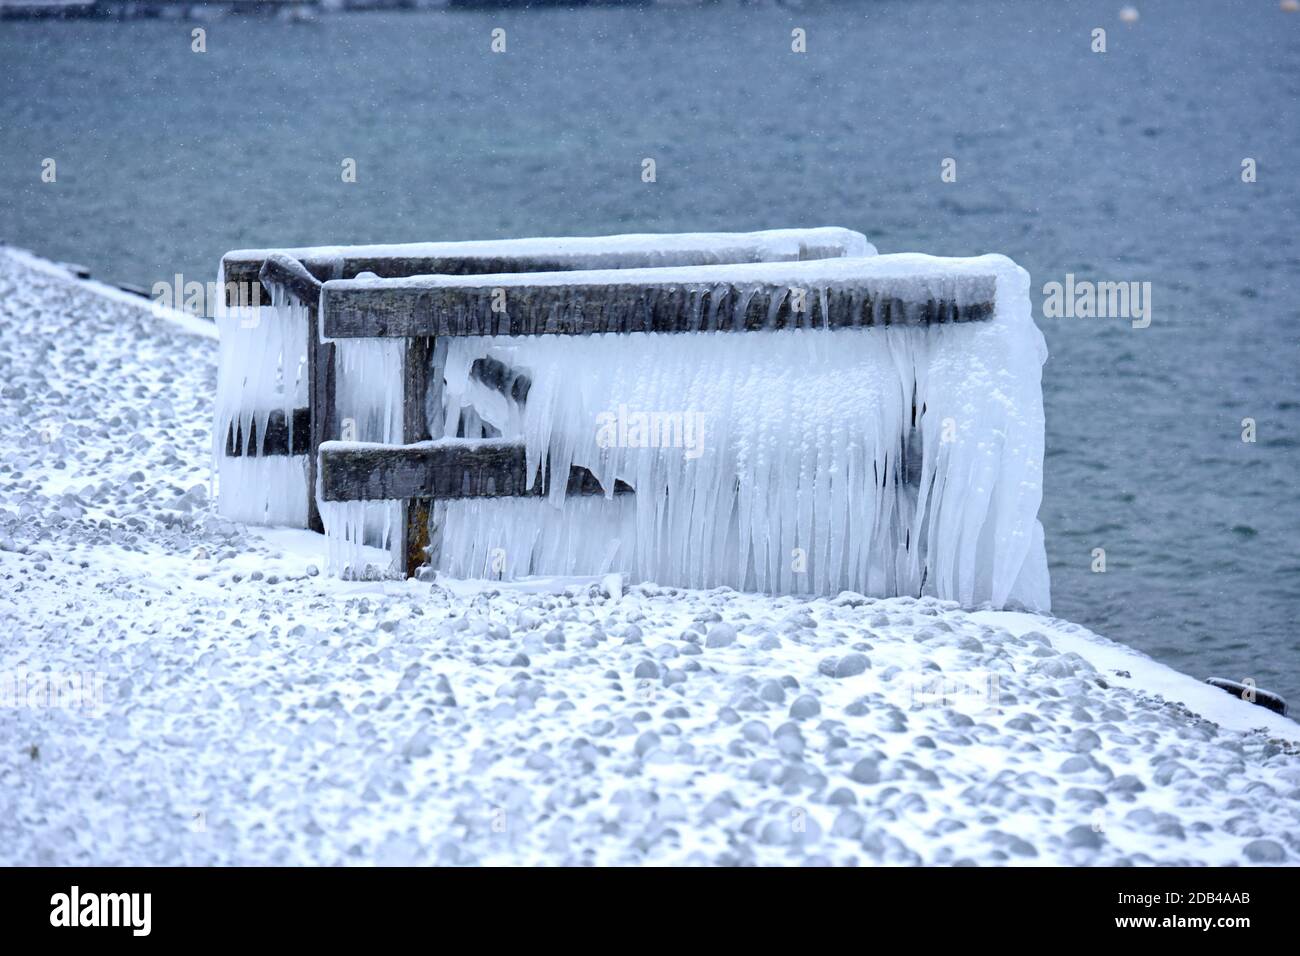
(262, 369)
(886, 460)
(368, 408)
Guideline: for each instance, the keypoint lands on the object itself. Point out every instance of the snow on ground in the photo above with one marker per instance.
(252, 711)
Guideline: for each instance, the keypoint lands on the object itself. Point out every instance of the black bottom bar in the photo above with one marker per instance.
(1161, 908)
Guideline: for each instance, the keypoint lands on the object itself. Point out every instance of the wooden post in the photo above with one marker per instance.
(322, 426)
(433, 531)
(414, 526)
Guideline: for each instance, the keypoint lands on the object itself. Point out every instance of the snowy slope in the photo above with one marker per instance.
(254, 711)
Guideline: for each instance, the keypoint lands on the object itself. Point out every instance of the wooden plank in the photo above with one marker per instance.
(240, 269)
(489, 468)
(560, 254)
(354, 309)
(1251, 694)
(292, 276)
(277, 441)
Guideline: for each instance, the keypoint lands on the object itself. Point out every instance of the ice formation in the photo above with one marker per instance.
(902, 457)
(264, 356)
(887, 460)
(262, 369)
(368, 408)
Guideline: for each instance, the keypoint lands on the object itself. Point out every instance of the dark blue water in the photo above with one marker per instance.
(1117, 166)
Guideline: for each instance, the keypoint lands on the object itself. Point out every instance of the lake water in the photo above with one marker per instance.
(1122, 166)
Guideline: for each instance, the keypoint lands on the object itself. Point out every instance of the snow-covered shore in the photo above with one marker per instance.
(254, 711)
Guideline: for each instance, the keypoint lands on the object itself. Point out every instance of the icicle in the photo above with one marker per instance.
(368, 408)
(262, 369)
(813, 475)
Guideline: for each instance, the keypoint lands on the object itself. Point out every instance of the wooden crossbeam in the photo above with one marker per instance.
(477, 307)
(243, 266)
(289, 274)
(486, 468)
(247, 269)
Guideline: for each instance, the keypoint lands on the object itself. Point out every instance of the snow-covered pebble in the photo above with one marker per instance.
(721, 635)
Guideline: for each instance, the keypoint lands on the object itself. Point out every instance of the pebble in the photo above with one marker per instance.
(1082, 741)
(865, 771)
(646, 670)
(721, 635)
(1264, 851)
(1083, 836)
(848, 824)
(804, 707)
(851, 665)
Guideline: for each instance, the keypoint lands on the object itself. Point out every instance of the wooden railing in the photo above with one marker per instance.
(424, 468)
(303, 271)
(422, 293)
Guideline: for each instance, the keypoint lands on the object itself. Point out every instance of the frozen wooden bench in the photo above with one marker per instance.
(255, 421)
(420, 467)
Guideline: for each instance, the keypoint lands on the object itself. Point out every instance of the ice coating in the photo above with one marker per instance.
(610, 252)
(906, 289)
(262, 369)
(910, 276)
(368, 408)
(808, 478)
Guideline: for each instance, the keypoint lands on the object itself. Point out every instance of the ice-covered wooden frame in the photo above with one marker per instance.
(250, 275)
(925, 370)
(827, 294)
